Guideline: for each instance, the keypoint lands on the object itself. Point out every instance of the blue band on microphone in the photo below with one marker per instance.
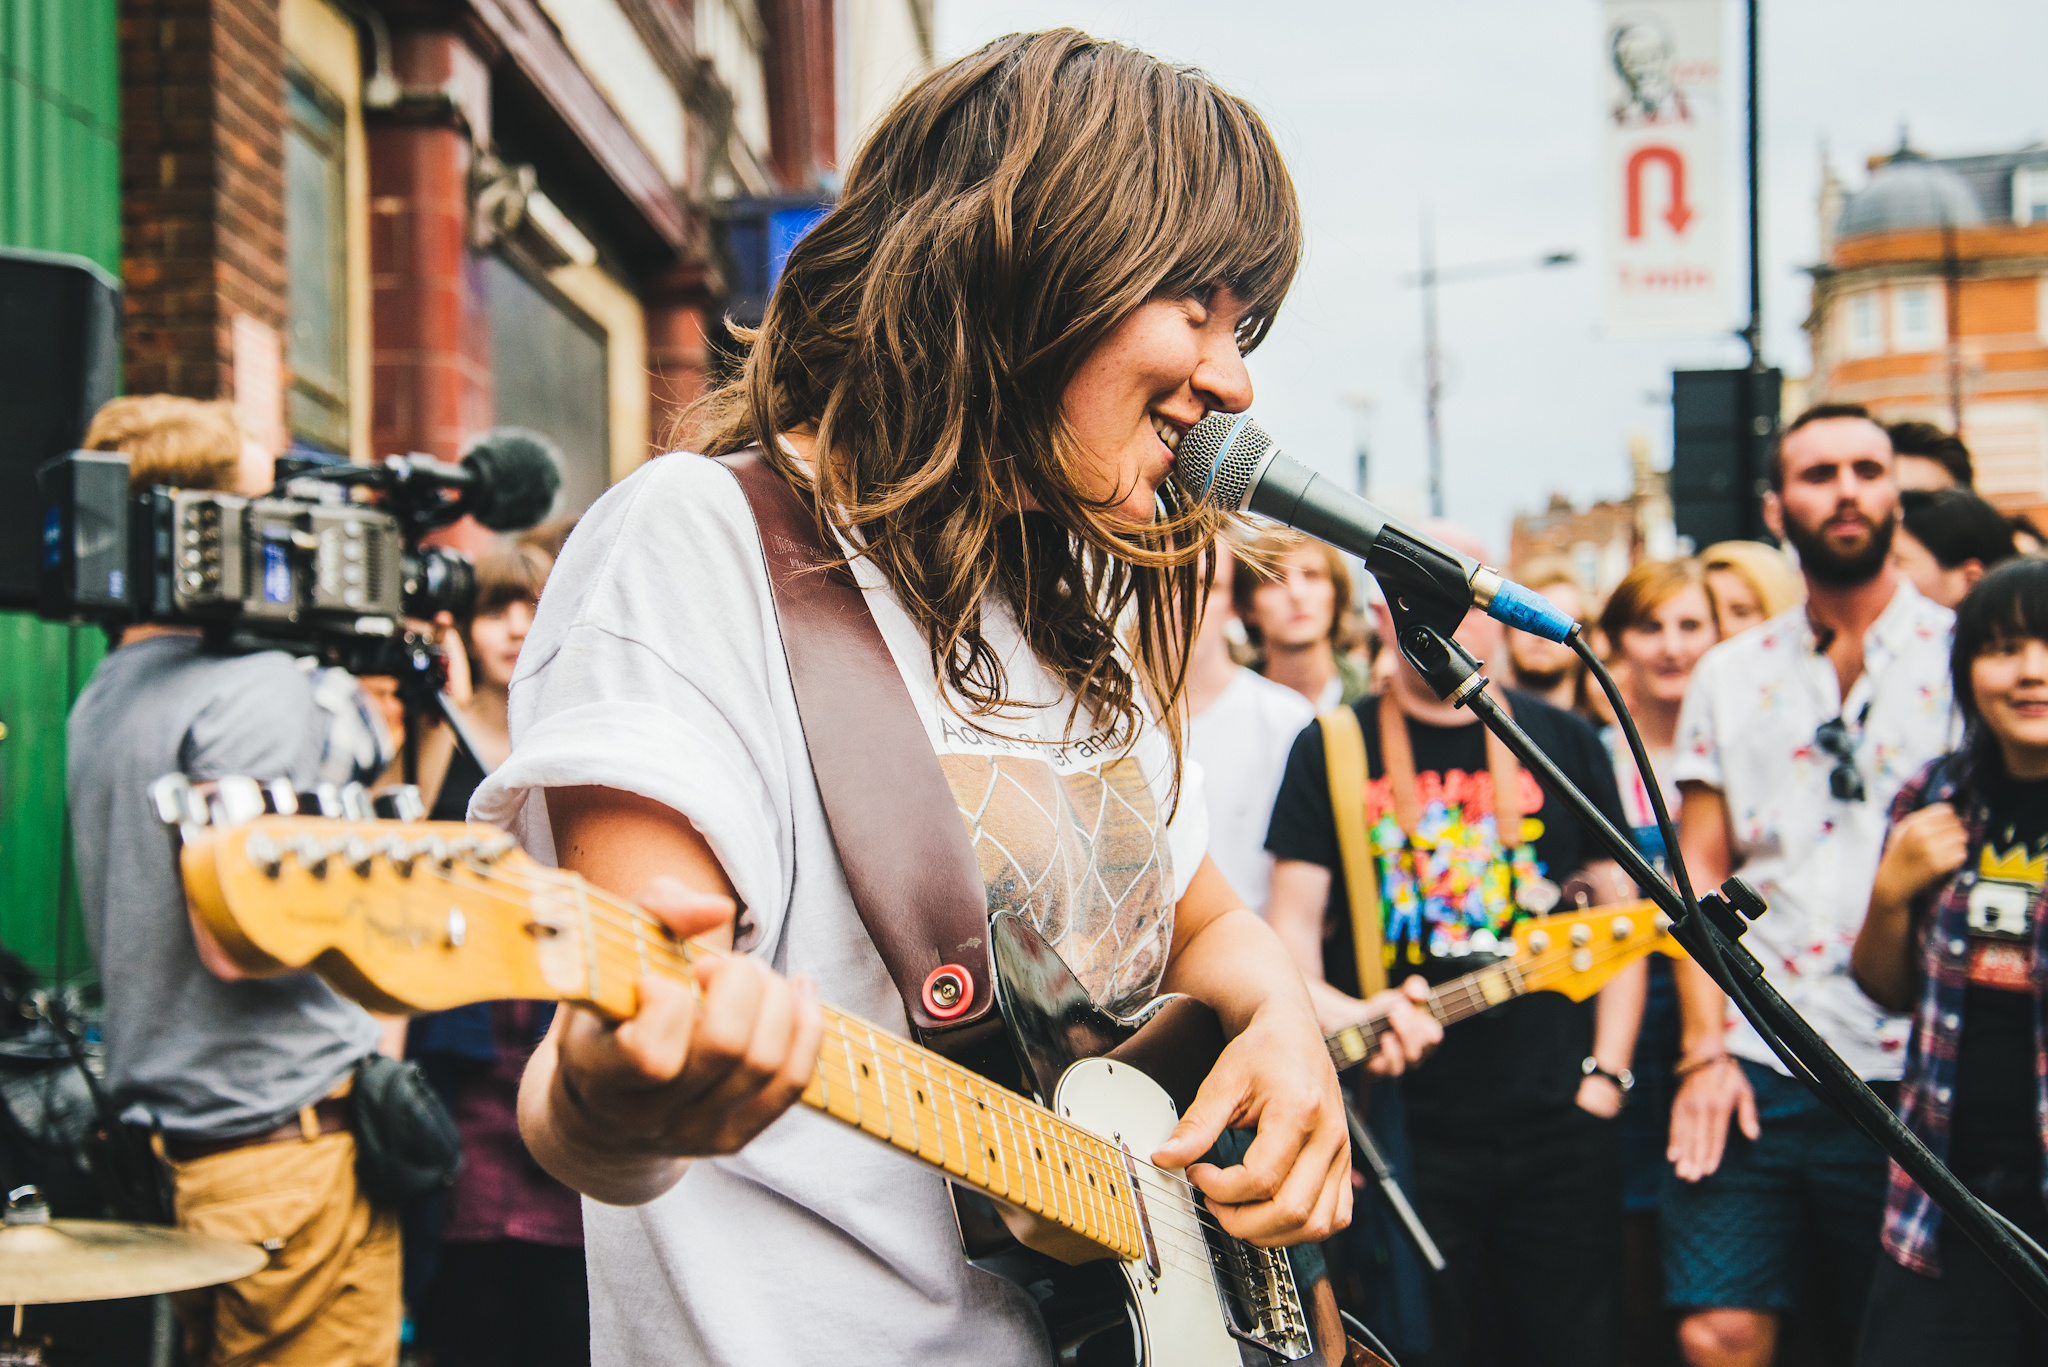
(1528, 610)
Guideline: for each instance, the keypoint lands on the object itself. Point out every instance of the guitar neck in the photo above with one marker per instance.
(1459, 999)
(952, 1118)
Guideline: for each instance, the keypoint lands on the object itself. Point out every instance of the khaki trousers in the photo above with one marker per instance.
(330, 1296)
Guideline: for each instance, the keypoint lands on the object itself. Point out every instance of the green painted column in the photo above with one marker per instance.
(60, 181)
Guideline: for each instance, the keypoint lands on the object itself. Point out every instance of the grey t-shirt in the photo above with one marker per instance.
(207, 1058)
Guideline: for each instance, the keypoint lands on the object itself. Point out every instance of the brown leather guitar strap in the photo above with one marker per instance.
(906, 853)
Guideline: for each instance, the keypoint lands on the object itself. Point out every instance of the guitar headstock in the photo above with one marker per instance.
(410, 916)
(1577, 952)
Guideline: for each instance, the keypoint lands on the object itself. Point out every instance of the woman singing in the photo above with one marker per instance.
(1047, 264)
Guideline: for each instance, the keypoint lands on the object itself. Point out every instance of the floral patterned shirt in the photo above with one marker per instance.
(1747, 729)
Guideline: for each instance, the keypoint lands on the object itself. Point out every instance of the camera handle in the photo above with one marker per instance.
(1423, 630)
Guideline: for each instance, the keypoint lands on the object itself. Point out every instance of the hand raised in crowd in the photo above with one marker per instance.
(1923, 848)
(1707, 1097)
(701, 1069)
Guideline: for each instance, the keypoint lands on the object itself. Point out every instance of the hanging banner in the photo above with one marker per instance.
(1665, 207)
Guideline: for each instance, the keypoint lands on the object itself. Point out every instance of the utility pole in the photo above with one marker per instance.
(1427, 279)
(1754, 333)
(1432, 367)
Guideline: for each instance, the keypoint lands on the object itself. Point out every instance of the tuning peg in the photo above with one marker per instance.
(1582, 935)
(1539, 942)
(359, 853)
(312, 855)
(1623, 927)
(496, 848)
(264, 854)
(400, 853)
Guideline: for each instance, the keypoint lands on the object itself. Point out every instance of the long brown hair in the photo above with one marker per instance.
(999, 221)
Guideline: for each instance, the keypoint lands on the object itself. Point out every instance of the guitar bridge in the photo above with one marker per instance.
(1261, 1302)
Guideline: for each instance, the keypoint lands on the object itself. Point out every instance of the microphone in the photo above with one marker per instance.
(1228, 459)
(515, 475)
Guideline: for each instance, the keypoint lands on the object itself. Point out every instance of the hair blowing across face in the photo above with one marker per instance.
(999, 221)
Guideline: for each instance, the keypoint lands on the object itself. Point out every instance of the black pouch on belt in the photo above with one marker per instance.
(406, 1142)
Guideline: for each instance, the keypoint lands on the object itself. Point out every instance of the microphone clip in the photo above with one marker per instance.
(1424, 627)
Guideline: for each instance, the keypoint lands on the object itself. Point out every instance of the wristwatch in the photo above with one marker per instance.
(1624, 1081)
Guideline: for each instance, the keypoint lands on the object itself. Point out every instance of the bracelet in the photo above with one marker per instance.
(1687, 1067)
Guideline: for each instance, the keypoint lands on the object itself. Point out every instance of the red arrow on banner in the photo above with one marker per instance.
(1678, 215)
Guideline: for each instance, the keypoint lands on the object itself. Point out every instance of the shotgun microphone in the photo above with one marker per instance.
(1228, 459)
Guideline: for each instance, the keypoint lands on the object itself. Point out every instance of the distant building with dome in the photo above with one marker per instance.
(1931, 302)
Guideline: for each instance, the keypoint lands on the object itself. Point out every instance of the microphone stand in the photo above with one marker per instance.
(1709, 930)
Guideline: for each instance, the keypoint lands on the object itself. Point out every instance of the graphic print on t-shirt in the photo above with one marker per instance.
(1081, 854)
(1452, 888)
(2010, 871)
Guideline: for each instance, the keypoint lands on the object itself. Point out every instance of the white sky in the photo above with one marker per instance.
(1488, 111)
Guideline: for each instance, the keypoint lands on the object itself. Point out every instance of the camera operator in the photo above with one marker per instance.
(245, 1080)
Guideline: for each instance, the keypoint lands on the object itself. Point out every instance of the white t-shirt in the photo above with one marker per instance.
(1241, 741)
(1748, 729)
(654, 666)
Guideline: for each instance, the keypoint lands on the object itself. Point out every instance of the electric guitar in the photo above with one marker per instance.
(1573, 952)
(413, 916)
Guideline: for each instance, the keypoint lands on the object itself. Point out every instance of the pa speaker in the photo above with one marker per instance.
(1725, 424)
(59, 336)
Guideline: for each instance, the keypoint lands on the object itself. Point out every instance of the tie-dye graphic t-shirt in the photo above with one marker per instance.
(1447, 897)
(655, 666)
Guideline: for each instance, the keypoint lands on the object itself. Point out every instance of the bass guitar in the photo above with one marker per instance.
(407, 917)
(1573, 952)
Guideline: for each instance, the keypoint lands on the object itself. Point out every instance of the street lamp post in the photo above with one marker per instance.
(1428, 278)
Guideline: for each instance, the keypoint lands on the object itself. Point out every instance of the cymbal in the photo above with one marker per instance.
(97, 1260)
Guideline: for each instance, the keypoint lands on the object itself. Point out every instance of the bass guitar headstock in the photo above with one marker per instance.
(1577, 952)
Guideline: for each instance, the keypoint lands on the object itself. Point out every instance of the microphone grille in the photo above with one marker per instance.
(1218, 458)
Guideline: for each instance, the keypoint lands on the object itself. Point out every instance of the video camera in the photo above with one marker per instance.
(309, 568)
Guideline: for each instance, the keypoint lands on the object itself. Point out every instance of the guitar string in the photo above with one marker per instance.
(662, 943)
(606, 917)
(1163, 1181)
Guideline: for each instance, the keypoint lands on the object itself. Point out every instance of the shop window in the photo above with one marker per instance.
(316, 255)
(1918, 320)
(548, 373)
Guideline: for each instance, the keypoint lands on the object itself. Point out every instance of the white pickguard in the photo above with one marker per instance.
(1180, 1315)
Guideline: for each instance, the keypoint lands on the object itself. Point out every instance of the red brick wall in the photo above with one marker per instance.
(202, 186)
(802, 76)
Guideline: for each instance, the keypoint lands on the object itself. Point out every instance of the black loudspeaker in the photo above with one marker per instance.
(60, 319)
(1725, 426)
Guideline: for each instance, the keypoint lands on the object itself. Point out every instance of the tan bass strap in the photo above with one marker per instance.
(906, 853)
(1344, 758)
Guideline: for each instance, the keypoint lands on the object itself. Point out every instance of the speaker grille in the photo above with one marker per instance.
(1218, 457)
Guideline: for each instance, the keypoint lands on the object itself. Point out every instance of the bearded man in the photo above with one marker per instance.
(1794, 738)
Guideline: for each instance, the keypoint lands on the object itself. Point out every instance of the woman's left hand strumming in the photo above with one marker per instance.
(1293, 1184)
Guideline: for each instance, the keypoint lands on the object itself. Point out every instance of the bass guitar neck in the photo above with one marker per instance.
(1574, 952)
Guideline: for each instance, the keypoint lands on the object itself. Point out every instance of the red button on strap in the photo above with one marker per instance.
(948, 992)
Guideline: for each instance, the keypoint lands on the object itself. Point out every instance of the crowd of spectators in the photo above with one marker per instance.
(1674, 1195)
(1859, 727)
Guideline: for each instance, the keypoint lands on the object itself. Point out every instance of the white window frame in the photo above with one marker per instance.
(1932, 333)
(1870, 341)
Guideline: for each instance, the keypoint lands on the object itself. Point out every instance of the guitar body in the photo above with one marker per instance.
(1125, 1080)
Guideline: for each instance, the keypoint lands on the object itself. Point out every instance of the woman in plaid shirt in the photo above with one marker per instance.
(1955, 934)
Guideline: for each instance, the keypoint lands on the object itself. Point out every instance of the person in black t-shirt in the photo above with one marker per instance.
(1955, 934)
(1513, 1150)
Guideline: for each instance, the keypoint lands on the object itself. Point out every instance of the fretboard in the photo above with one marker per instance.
(1459, 999)
(977, 1133)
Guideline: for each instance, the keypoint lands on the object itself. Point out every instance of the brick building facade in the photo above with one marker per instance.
(1931, 303)
(386, 225)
